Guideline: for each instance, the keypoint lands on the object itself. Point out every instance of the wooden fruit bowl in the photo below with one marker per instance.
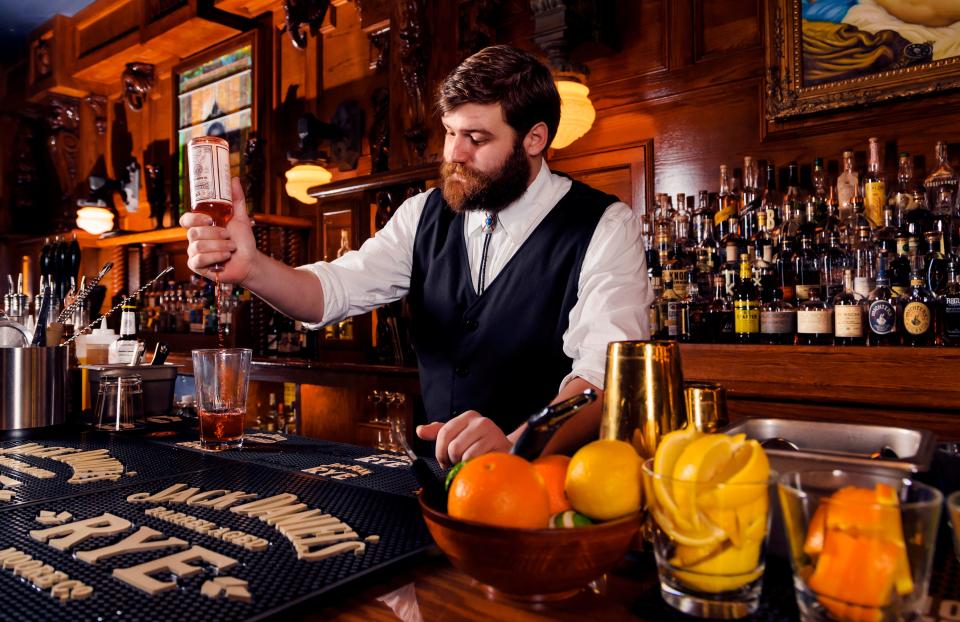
(531, 564)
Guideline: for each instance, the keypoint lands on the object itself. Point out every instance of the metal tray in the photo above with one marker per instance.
(826, 445)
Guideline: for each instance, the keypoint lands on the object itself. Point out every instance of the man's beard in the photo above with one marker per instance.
(476, 191)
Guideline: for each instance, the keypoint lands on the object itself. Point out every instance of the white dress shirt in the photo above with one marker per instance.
(612, 299)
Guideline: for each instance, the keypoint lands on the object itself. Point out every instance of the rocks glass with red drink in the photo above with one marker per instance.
(222, 376)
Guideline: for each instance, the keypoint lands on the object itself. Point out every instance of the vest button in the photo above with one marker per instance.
(461, 371)
(471, 325)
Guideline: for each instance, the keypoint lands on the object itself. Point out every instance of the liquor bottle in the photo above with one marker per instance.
(832, 222)
(936, 263)
(771, 201)
(809, 227)
(690, 320)
(857, 218)
(46, 259)
(656, 324)
(281, 425)
(917, 314)
(847, 182)
(729, 204)
(819, 180)
(900, 267)
(864, 263)
(732, 243)
(760, 243)
(943, 183)
(127, 347)
(917, 219)
(874, 185)
(784, 269)
(746, 305)
(291, 427)
(719, 314)
(806, 269)
(814, 321)
(833, 262)
(681, 222)
(950, 307)
(885, 235)
(882, 311)
(668, 308)
(750, 198)
(848, 315)
(944, 220)
(778, 320)
(901, 197)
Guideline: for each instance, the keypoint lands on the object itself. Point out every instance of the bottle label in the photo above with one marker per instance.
(815, 322)
(732, 254)
(848, 321)
(900, 290)
(951, 317)
(209, 173)
(672, 319)
(803, 291)
(846, 184)
(863, 285)
(789, 292)
(882, 317)
(746, 316)
(778, 322)
(874, 198)
(654, 321)
(916, 318)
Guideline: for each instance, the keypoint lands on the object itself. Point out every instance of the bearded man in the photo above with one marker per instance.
(517, 277)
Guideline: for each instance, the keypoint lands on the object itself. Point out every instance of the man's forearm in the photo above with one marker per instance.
(296, 293)
(580, 429)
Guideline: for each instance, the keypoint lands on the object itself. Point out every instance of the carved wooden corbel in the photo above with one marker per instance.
(412, 32)
(379, 48)
(98, 105)
(138, 80)
(379, 136)
(63, 121)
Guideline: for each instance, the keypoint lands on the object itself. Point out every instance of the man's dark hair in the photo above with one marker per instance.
(501, 74)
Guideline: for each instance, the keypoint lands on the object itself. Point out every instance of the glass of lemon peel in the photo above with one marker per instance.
(709, 498)
(861, 543)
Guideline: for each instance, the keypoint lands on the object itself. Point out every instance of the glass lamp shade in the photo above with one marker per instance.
(576, 113)
(302, 177)
(95, 220)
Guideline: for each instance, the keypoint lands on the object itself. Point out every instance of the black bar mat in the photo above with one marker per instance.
(140, 462)
(275, 577)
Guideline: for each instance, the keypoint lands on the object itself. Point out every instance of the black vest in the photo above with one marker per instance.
(500, 353)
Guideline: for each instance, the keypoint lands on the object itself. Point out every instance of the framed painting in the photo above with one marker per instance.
(828, 54)
(216, 96)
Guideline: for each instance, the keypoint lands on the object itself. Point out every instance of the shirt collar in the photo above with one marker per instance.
(516, 218)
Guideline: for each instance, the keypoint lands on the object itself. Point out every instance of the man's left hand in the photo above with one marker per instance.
(467, 435)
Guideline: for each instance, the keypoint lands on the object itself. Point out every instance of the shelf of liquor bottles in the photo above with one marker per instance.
(865, 258)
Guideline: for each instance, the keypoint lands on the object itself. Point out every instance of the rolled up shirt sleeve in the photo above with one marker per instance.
(614, 294)
(374, 275)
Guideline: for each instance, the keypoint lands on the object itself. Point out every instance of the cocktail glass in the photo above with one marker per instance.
(861, 544)
(222, 376)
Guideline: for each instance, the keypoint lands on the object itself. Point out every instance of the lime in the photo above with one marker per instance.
(569, 518)
(452, 473)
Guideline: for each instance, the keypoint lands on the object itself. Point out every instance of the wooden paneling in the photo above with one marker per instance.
(721, 27)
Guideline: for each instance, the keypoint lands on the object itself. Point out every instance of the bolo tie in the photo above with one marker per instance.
(489, 224)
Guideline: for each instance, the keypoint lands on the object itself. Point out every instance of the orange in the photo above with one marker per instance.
(553, 470)
(500, 489)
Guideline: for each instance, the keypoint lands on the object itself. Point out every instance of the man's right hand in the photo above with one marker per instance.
(232, 246)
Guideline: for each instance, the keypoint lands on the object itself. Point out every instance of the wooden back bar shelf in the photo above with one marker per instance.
(896, 386)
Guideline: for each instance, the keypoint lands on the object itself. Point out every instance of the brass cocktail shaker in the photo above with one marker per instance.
(643, 393)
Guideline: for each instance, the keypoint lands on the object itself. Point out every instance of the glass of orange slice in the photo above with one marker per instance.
(709, 497)
(861, 544)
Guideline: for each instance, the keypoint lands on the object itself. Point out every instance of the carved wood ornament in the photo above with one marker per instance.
(138, 80)
(300, 13)
(413, 53)
(62, 143)
(98, 105)
(379, 136)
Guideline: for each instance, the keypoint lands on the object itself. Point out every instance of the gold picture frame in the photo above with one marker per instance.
(792, 89)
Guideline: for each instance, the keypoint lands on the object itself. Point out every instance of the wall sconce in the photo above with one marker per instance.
(94, 218)
(345, 134)
(576, 112)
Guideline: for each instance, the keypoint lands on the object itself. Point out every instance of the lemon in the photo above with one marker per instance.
(744, 479)
(705, 536)
(604, 480)
(695, 469)
(668, 452)
(714, 584)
